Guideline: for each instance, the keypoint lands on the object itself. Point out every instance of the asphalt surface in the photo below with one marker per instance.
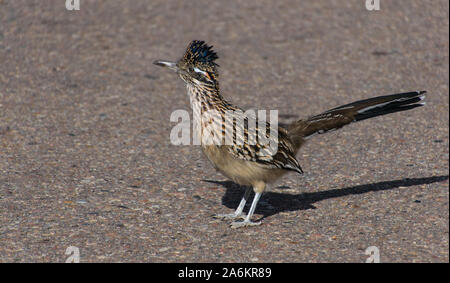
(86, 160)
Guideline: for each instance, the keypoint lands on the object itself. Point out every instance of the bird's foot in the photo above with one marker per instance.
(244, 223)
(231, 216)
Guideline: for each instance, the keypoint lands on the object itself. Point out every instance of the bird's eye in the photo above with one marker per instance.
(197, 70)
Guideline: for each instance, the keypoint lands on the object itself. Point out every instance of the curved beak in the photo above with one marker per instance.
(171, 65)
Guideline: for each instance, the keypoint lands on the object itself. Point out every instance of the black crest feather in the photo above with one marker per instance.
(199, 52)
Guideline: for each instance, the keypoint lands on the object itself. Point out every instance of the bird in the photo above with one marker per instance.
(248, 156)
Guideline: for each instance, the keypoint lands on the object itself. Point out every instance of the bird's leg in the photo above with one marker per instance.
(247, 221)
(238, 213)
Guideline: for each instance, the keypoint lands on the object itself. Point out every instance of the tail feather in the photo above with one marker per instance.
(357, 111)
(388, 104)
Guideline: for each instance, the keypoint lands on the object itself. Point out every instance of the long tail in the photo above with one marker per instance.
(357, 111)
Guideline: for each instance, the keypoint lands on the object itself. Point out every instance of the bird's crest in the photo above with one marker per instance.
(199, 53)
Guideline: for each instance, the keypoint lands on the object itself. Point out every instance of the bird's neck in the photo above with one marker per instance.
(206, 97)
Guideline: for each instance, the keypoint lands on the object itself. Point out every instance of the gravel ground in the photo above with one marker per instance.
(85, 156)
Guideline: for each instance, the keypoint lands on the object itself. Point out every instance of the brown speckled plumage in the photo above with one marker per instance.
(246, 160)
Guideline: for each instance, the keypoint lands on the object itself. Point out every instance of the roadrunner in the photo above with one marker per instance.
(246, 160)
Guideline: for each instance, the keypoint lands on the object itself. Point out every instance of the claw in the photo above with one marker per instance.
(244, 223)
(231, 216)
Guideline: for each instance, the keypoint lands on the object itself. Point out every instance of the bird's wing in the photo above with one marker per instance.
(273, 151)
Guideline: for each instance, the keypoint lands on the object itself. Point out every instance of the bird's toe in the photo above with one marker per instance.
(231, 216)
(244, 223)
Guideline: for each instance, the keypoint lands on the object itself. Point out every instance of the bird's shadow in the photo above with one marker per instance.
(274, 202)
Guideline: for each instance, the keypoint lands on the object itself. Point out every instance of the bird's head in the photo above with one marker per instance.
(197, 66)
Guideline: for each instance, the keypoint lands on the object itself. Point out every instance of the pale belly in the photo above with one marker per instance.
(240, 171)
